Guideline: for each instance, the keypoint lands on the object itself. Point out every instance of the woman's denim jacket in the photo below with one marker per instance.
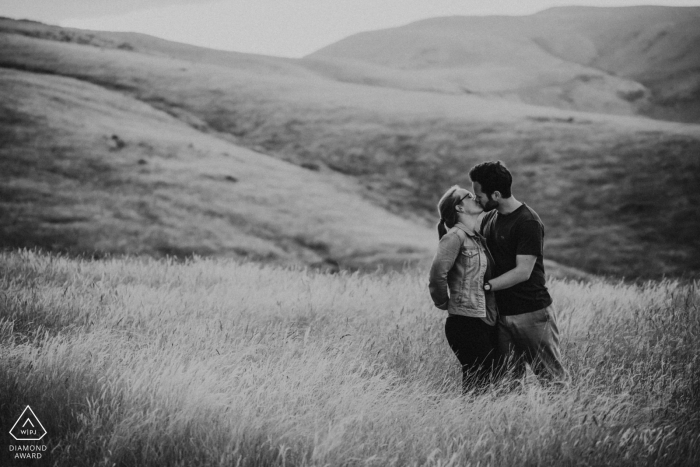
(459, 267)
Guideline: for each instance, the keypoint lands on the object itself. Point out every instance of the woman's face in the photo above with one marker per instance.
(469, 202)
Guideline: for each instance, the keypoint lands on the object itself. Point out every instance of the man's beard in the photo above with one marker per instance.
(490, 205)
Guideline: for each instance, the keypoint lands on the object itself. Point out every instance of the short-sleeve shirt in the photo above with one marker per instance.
(519, 233)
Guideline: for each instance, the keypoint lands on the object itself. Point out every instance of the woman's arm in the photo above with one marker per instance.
(448, 250)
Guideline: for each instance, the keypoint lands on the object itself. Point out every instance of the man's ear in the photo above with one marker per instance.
(496, 195)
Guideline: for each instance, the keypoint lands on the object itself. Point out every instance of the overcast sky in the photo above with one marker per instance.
(290, 28)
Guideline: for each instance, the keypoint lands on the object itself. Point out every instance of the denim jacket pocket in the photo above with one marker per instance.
(470, 253)
(471, 260)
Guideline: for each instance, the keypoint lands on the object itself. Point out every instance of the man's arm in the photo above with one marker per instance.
(530, 244)
(520, 273)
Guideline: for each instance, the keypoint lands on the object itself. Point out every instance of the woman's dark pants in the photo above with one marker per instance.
(474, 343)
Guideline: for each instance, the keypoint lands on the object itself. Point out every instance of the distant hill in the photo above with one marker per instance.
(129, 144)
(632, 60)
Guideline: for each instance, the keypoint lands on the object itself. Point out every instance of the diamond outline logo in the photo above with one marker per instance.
(28, 419)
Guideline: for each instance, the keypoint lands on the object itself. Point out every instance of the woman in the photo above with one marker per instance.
(461, 267)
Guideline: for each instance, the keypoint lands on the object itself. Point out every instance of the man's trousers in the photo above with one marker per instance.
(532, 338)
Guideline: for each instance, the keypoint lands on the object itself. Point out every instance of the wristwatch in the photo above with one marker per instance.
(487, 287)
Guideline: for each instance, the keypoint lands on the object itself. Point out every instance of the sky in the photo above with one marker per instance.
(286, 28)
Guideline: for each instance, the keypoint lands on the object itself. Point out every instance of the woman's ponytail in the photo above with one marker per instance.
(446, 210)
(442, 230)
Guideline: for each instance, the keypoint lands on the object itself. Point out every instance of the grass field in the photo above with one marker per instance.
(213, 362)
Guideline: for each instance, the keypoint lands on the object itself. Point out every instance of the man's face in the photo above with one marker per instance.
(483, 199)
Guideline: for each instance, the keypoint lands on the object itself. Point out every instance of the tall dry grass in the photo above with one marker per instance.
(208, 362)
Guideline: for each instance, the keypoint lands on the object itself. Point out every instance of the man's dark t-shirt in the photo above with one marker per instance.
(519, 233)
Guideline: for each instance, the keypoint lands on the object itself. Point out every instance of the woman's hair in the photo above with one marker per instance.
(446, 209)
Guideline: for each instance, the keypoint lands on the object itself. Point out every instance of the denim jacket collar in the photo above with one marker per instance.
(465, 229)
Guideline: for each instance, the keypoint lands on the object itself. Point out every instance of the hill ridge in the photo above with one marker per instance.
(637, 70)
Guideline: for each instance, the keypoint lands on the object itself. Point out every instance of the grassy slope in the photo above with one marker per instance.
(609, 60)
(617, 194)
(138, 362)
(87, 169)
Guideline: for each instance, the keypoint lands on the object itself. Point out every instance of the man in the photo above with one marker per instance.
(527, 327)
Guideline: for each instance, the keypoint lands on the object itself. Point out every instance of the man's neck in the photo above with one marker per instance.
(508, 205)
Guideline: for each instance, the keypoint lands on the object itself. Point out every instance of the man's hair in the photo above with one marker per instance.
(492, 176)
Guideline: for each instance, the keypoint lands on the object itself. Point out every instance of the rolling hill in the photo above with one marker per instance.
(635, 60)
(90, 170)
(129, 144)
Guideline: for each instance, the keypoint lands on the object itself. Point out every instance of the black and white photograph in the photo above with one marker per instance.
(358, 233)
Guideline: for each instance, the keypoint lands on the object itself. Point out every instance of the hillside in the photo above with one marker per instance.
(87, 169)
(635, 60)
(618, 194)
